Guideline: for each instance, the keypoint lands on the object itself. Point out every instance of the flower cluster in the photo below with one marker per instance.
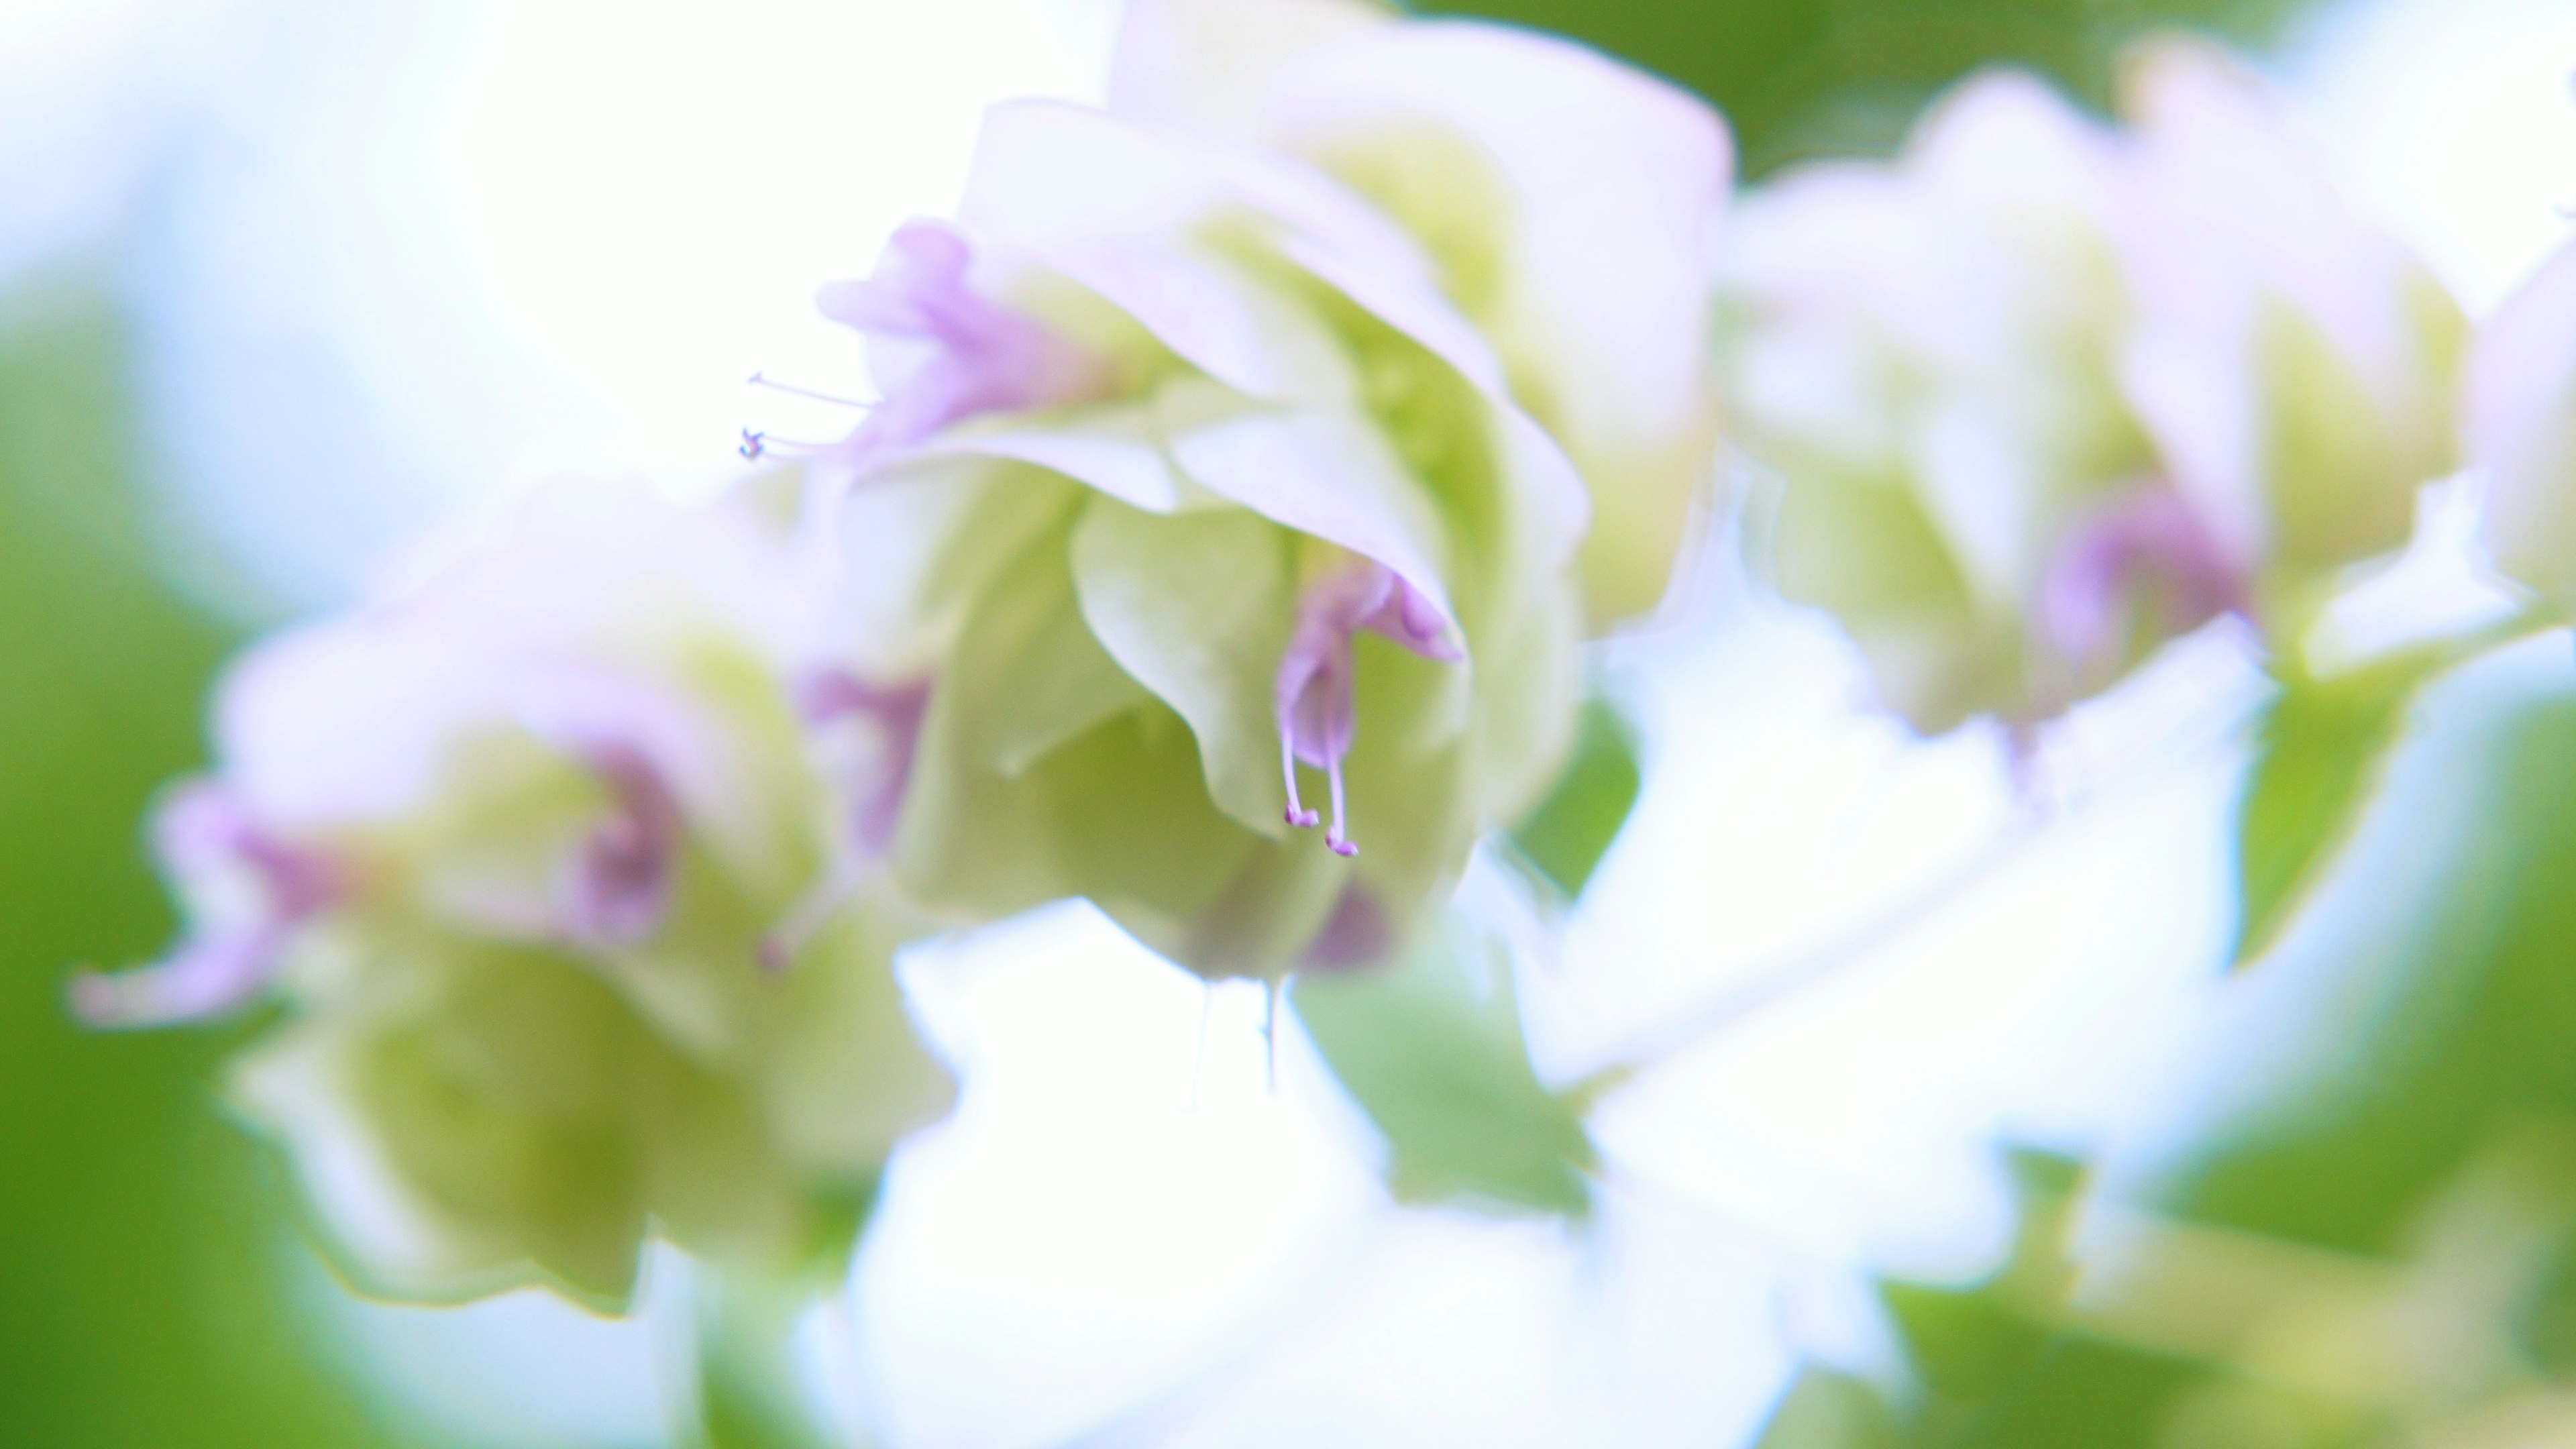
(1258, 450)
(2044, 393)
(565, 867)
(1249, 459)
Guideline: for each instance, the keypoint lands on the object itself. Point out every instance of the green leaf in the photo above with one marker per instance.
(1799, 80)
(1569, 832)
(1827, 1409)
(748, 1397)
(2322, 747)
(153, 1293)
(1431, 1049)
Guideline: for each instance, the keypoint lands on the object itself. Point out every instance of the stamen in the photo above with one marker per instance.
(1313, 696)
(1298, 814)
(762, 379)
(757, 445)
(1339, 841)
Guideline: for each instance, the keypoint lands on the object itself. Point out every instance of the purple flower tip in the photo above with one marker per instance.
(892, 714)
(1358, 933)
(1317, 711)
(205, 831)
(972, 355)
(2147, 547)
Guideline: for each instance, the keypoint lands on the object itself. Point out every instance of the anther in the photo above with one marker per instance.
(756, 444)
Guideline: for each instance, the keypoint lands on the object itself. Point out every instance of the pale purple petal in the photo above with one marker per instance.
(1414, 622)
(207, 976)
(203, 835)
(891, 716)
(835, 696)
(2147, 546)
(1358, 934)
(968, 355)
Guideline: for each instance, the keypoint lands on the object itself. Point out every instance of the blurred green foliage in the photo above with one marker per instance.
(142, 1240)
(2319, 753)
(2375, 1235)
(1805, 78)
(1566, 836)
(1431, 1049)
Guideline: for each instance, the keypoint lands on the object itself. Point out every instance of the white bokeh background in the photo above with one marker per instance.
(391, 263)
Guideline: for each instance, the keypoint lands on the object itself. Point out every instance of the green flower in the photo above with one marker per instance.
(1237, 459)
(572, 909)
(2043, 394)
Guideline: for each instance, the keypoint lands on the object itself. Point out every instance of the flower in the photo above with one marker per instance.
(2519, 407)
(2044, 394)
(1255, 425)
(574, 914)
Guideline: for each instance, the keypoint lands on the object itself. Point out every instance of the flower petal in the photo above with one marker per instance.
(1206, 65)
(2520, 401)
(1197, 609)
(1573, 203)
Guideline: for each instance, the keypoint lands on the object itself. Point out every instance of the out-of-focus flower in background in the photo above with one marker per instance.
(2043, 395)
(519, 845)
(2520, 423)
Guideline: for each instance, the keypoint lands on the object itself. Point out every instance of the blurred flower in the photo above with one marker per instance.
(2520, 424)
(2045, 394)
(1252, 427)
(571, 905)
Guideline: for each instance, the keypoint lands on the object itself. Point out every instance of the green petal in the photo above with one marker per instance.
(1198, 609)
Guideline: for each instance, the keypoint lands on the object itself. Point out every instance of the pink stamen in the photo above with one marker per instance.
(756, 445)
(762, 379)
(1334, 837)
(1298, 814)
(1316, 709)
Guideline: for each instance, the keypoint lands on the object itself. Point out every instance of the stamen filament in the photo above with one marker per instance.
(1340, 842)
(762, 379)
(1298, 814)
